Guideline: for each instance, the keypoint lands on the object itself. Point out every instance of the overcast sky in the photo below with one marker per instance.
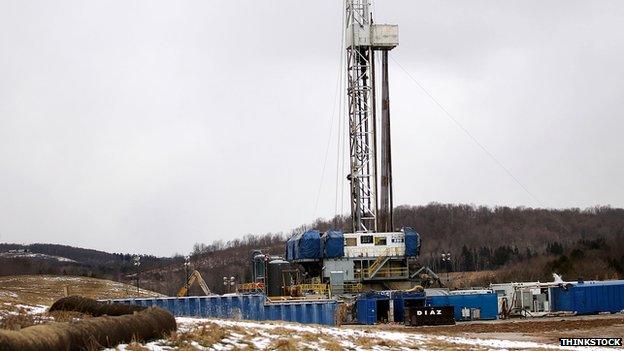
(147, 126)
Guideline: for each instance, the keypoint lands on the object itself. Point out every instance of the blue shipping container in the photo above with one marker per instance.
(243, 307)
(590, 298)
(367, 305)
(366, 311)
(399, 298)
(486, 302)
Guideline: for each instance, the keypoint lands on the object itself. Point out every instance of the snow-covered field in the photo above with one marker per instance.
(216, 334)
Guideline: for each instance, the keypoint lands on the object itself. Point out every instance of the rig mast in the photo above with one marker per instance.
(361, 111)
(363, 38)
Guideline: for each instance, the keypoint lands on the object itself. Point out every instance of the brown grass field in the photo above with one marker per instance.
(36, 291)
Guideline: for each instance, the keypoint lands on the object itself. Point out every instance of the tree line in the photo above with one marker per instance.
(515, 243)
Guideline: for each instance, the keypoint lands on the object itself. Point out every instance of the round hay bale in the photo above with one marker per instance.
(93, 307)
(95, 333)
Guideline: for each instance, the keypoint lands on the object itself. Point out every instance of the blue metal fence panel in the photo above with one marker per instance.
(589, 298)
(308, 312)
(486, 302)
(248, 307)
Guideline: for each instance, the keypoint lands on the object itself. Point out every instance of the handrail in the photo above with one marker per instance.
(250, 287)
(317, 288)
(382, 259)
(378, 260)
(385, 272)
(352, 287)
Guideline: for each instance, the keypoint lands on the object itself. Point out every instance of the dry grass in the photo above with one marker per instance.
(22, 319)
(332, 346)
(206, 336)
(463, 280)
(250, 345)
(187, 348)
(309, 337)
(440, 345)
(288, 334)
(341, 313)
(18, 321)
(281, 331)
(135, 346)
(283, 344)
(239, 330)
(67, 316)
(369, 343)
(44, 289)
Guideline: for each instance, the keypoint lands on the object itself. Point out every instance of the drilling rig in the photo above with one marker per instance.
(374, 254)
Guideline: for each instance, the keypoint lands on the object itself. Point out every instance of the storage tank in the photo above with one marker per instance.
(259, 266)
(275, 279)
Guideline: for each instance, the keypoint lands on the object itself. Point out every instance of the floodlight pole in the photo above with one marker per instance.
(137, 263)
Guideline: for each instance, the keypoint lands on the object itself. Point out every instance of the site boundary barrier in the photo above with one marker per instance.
(254, 307)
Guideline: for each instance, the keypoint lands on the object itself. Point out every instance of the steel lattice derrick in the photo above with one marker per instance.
(361, 110)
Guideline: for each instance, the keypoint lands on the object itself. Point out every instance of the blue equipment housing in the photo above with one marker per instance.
(304, 246)
(310, 245)
(333, 244)
(412, 242)
(290, 247)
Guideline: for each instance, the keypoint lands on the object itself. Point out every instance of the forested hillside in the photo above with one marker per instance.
(520, 243)
(63, 259)
(529, 243)
(515, 243)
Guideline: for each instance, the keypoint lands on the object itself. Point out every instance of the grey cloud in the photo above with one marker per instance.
(151, 125)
